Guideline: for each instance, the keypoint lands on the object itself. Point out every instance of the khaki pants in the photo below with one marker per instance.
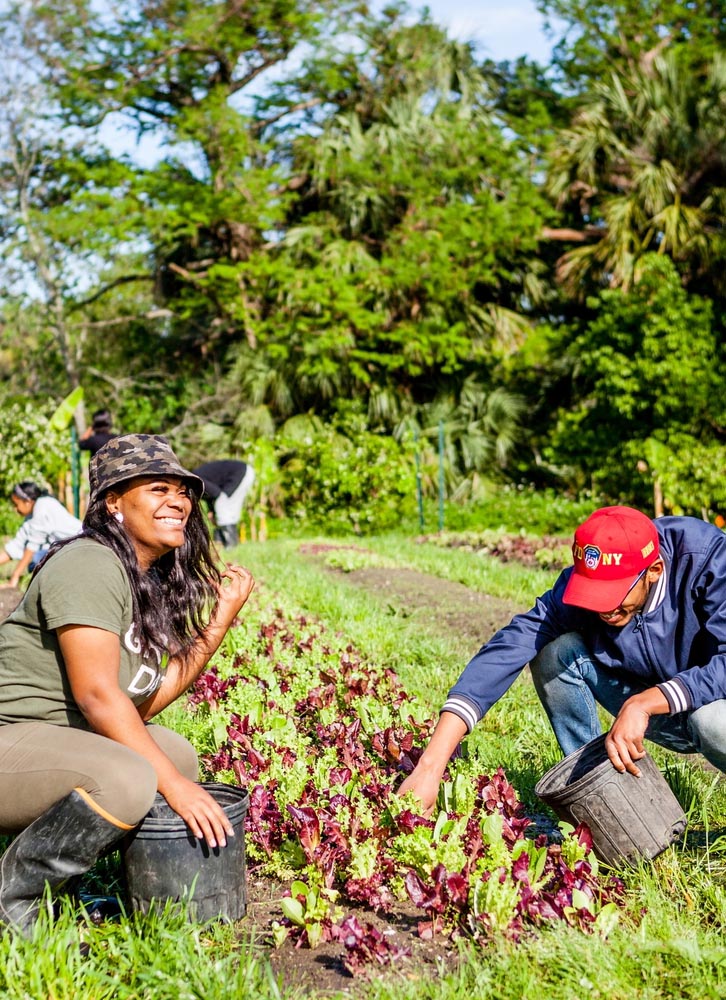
(41, 764)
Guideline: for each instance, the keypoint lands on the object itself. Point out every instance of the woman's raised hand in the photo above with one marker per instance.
(236, 586)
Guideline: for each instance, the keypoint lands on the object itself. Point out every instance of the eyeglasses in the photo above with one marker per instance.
(628, 609)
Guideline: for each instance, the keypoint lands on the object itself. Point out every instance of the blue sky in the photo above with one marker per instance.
(504, 29)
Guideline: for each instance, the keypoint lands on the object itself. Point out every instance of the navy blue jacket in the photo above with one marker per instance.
(677, 643)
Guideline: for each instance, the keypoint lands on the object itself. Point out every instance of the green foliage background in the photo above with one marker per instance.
(388, 236)
(356, 483)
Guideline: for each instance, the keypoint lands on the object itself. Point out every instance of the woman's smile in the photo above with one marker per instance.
(154, 514)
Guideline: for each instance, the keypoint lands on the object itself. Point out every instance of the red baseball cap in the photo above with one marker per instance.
(611, 549)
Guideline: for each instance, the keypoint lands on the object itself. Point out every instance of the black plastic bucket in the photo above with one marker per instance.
(164, 861)
(629, 817)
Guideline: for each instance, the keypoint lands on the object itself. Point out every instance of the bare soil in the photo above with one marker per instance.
(321, 972)
(446, 607)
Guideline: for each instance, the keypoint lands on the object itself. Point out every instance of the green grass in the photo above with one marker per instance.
(159, 957)
(427, 664)
(509, 509)
(669, 944)
(482, 573)
(479, 572)
(560, 964)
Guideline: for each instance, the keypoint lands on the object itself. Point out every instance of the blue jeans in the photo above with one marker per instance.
(40, 554)
(570, 683)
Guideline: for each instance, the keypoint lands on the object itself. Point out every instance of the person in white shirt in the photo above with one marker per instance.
(46, 521)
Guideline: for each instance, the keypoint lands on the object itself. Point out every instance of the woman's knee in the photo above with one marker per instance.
(128, 790)
(41, 763)
(178, 749)
(128, 793)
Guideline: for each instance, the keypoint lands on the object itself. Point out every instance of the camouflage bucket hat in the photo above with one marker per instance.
(131, 455)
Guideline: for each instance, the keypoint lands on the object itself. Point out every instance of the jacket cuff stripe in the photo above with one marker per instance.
(676, 695)
(466, 711)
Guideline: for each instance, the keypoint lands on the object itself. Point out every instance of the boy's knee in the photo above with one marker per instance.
(558, 655)
(708, 727)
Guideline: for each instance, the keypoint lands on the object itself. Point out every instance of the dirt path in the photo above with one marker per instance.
(449, 608)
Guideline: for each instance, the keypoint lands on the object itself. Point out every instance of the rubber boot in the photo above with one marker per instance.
(65, 841)
(98, 908)
(230, 536)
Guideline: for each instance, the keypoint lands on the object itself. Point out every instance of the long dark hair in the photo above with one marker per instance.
(175, 599)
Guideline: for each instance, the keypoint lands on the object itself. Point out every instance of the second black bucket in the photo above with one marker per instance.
(164, 861)
(629, 817)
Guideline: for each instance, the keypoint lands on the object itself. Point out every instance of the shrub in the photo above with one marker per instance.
(31, 448)
(351, 482)
(517, 509)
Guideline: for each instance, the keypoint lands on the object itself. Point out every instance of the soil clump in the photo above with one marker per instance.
(321, 971)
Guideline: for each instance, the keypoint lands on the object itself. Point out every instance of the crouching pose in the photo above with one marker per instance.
(114, 626)
(637, 625)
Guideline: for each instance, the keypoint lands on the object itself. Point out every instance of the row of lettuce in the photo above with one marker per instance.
(321, 737)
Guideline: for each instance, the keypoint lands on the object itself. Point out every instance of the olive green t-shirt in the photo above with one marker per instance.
(82, 584)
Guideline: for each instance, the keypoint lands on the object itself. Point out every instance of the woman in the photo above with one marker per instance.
(115, 625)
(46, 521)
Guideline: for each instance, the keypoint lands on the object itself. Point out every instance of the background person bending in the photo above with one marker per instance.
(227, 483)
(114, 626)
(46, 521)
(637, 625)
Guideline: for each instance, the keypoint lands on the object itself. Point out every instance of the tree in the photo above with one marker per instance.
(72, 239)
(600, 38)
(408, 258)
(189, 74)
(646, 384)
(642, 169)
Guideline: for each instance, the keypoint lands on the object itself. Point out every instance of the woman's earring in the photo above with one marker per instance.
(119, 516)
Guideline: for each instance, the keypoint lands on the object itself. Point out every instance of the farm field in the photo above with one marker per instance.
(411, 298)
(317, 699)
